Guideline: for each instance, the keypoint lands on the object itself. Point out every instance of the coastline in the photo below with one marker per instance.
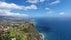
(42, 36)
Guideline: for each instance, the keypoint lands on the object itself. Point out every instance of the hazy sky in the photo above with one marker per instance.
(35, 8)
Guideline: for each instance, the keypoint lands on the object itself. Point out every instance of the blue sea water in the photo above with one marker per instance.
(54, 28)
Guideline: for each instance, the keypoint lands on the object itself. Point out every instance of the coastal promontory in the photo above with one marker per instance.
(12, 29)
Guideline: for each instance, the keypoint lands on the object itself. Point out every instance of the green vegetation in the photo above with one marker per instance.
(19, 32)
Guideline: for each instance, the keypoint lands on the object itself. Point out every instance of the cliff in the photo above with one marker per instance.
(19, 31)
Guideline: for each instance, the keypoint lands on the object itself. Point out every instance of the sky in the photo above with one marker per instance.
(35, 8)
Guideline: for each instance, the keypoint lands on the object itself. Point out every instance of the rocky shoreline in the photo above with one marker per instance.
(42, 36)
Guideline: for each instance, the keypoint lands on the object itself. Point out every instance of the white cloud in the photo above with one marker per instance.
(49, 11)
(15, 14)
(4, 5)
(61, 13)
(35, 1)
(55, 2)
(6, 8)
(32, 1)
(30, 7)
(47, 8)
(8, 13)
(42, 0)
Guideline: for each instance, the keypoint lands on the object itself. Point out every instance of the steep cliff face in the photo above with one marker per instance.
(32, 33)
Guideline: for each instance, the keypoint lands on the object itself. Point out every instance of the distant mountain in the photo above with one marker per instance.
(5, 17)
(12, 19)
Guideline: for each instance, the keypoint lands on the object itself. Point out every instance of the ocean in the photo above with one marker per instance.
(54, 28)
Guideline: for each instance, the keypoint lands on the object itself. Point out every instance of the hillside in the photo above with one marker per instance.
(16, 29)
